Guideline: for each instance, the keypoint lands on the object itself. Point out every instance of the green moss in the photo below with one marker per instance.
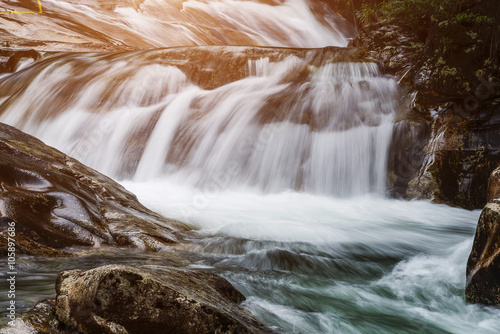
(368, 12)
(469, 17)
(449, 71)
(466, 85)
(472, 48)
(480, 73)
(440, 61)
(416, 14)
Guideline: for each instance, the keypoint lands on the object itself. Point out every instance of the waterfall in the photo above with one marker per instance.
(145, 24)
(308, 120)
(250, 121)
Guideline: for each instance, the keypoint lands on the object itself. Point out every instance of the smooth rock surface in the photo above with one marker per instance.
(57, 202)
(10, 60)
(483, 266)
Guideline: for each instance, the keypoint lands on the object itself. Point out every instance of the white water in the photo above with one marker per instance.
(326, 133)
(314, 264)
(125, 25)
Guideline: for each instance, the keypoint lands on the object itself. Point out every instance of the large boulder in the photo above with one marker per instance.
(123, 299)
(483, 266)
(57, 202)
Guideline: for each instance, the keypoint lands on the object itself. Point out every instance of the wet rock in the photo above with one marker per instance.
(458, 159)
(57, 202)
(448, 162)
(152, 301)
(123, 299)
(40, 320)
(212, 67)
(483, 266)
(25, 245)
(494, 184)
(395, 49)
(456, 93)
(10, 59)
(406, 156)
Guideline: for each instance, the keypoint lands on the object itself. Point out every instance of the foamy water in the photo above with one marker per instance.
(327, 131)
(131, 25)
(313, 264)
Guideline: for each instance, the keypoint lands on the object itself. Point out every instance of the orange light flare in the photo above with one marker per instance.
(119, 25)
(21, 7)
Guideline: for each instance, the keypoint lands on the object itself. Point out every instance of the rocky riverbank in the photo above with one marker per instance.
(56, 202)
(446, 60)
(446, 144)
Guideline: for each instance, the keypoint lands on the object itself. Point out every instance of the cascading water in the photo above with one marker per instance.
(277, 157)
(326, 131)
(130, 25)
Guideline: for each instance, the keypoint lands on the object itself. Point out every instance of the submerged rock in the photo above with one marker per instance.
(483, 266)
(58, 202)
(11, 59)
(123, 299)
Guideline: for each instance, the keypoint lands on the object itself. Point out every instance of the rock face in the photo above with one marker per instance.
(453, 114)
(57, 202)
(23, 240)
(457, 160)
(122, 299)
(483, 266)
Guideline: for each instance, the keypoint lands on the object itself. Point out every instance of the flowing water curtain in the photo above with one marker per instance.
(295, 123)
(125, 25)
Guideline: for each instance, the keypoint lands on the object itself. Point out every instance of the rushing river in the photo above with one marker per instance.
(277, 158)
(315, 264)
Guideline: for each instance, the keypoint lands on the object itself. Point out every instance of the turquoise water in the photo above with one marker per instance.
(312, 264)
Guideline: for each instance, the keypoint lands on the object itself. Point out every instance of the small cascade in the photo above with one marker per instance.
(282, 119)
(145, 24)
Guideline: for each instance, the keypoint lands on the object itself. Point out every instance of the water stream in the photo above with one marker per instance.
(275, 156)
